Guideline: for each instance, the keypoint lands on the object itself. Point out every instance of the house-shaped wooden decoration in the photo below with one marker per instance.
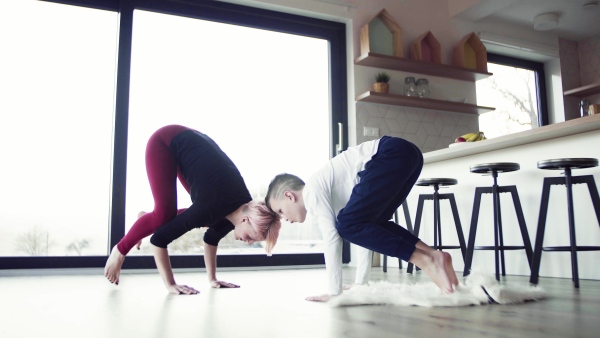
(426, 48)
(471, 53)
(369, 36)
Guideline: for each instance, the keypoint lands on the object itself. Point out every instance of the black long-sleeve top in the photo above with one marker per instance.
(216, 189)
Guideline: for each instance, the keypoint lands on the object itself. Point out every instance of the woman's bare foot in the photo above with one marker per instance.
(434, 264)
(112, 270)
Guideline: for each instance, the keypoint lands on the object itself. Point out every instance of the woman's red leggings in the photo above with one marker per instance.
(162, 171)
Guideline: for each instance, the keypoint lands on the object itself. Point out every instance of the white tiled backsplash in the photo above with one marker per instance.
(427, 129)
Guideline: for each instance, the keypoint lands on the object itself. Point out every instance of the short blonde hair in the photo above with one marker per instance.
(280, 184)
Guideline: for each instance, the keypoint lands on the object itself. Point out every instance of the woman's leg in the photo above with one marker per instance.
(161, 168)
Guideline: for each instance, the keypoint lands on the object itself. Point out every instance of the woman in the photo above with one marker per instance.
(220, 201)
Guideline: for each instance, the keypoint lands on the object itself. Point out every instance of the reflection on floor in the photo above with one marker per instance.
(270, 303)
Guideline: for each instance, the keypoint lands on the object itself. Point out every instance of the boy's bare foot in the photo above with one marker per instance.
(450, 269)
(112, 270)
(434, 264)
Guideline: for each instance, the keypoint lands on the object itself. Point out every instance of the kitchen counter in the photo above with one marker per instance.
(575, 138)
(561, 129)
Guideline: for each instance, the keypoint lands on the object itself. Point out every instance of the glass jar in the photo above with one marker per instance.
(584, 107)
(423, 88)
(410, 87)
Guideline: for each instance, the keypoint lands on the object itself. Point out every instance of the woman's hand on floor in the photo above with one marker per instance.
(216, 284)
(182, 290)
(321, 298)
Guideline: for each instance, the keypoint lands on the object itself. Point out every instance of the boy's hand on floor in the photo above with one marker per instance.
(321, 298)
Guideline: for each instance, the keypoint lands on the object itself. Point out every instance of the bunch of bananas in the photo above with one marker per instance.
(471, 137)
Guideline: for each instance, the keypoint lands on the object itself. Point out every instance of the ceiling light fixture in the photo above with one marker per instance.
(590, 5)
(545, 22)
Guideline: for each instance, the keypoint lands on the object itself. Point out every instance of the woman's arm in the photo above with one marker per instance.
(210, 260)
(163, 263)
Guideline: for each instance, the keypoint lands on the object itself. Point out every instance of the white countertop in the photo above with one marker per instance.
(575, 126)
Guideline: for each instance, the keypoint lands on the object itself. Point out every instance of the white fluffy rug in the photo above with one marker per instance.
(478, 289)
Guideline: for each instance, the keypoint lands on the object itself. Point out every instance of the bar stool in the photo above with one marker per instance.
(437, 224)
(566, 164)
(494, 169)
(408, 226)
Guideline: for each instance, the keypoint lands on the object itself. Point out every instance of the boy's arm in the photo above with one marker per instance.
(364, 257)
(333, 254)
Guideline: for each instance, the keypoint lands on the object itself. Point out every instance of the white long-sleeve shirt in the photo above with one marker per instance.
(325, 194)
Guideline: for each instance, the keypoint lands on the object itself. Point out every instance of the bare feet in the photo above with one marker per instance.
(112, 270)
(450, 269)
(434, 263)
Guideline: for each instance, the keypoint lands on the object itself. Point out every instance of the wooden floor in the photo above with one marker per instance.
(270, 303)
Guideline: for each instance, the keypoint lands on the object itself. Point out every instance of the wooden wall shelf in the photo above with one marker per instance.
(423, 103)
(420, 67)
(584, 91)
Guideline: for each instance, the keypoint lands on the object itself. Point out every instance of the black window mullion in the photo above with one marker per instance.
(223, 12)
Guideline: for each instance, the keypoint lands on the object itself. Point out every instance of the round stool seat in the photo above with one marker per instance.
(425, 182)
(563, 163)
(499, 167)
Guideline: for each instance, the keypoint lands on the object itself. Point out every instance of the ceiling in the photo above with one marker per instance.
(575, 22)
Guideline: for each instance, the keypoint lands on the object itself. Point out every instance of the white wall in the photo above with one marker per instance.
(554, 89)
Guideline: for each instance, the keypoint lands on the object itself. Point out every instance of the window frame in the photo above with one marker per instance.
(540, 80)
(333, 32)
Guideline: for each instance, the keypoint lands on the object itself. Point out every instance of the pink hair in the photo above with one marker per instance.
(265, 222)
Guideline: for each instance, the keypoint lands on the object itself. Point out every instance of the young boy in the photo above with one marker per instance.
(353, 197)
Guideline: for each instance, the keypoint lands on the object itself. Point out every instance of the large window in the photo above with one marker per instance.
(517, 91)
(247, 89)
(56, 125)
(83, 83)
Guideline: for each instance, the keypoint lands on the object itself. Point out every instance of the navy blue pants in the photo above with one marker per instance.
(384, 184)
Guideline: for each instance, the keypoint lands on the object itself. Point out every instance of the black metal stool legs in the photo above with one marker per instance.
(521, 219)
(437, 224)
(541, 229)
(568, 181)
(499, 246)
(479, 191)
(569, 186)
(497, 226)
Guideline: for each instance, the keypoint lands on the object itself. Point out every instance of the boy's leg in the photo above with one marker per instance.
(384, 184)
(389, 176)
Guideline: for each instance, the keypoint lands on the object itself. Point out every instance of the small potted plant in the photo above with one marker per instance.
(381, 84)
